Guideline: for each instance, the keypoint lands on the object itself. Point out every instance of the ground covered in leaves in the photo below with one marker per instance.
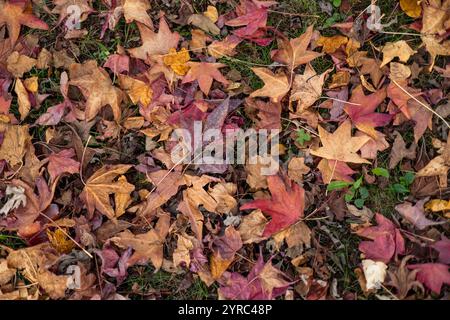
(93, 97)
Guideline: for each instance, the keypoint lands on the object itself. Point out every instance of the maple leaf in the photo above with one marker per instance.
(438, 166)
(62, 162)
(13, 14)
(432, 275)
(137, 90)
(275, 85)
(387, 240)
(363, 116)
(155, 43)
(264, 282)
(443, 246)
(307, 88)
(399, 49)
(295, 52)
(340, 145)
(177, 61)
(205, 73)
(147, 246)
(101, 184)
(97, 88)
(136, 10)
(415, 214)
(118, 63)
(403, 279)
(286, 206)
(399, 151)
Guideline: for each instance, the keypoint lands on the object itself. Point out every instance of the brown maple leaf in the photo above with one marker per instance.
(155, 43)
(13, 14)
(275, 85)
(340, 145)
(295, 52)
(97, 88)
(101, 185)
(147, 246)
(64, 9)
(204, 73)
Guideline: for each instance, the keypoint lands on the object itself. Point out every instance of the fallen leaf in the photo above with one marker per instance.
(286, 206)
(155, 43)
(101, 184)
(363, 115)
(340, 145)
(62, 162)
(97, 88)
(415, 214)
(307, 88)
(14, 14)
(275, 85)
(252, 227)
(146, 246)
(294, 52)
(411, 7)
(374, 272)
(399, 49)
(204, 73)
(18, 64)
(399, 151)
(331, 44)
(432, 275)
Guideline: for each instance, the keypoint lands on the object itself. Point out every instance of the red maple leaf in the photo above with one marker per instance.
(432, 275)
(363, 116)
(387, 240)
(286, 206)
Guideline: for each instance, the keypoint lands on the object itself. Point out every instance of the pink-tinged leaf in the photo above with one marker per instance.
(61, 162)
(53, 115)
(387, 240)
(432, 275)
(415, 214)
(381, 249)
(118, 63)
(264, 282)
(286, 206)
(443, 246)
(363, 115)
(4, 105)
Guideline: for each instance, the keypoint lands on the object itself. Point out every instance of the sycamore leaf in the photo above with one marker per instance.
(331, 44)
(155, 43)
(13, 14)
(263, 282)
(415, 214)
(205, 73)
(62, 162)
(136, 10)
(399, 151)
(340, 145)
(146, 246)
(399, 49)
(294, 52)
(137, 90)
(307, 88)
(97, 87)
(286, 206)
(432, 275)
(363, 116)
(101, 184)
(411, 7)
(387, 240)
(275, 85)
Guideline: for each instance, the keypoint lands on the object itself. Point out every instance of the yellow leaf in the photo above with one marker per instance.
(60, 241)
(438, 205)
(211, 13)
(219, 266)
(411, 7)
(31, 84)
(177, 61)
(331, 44)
